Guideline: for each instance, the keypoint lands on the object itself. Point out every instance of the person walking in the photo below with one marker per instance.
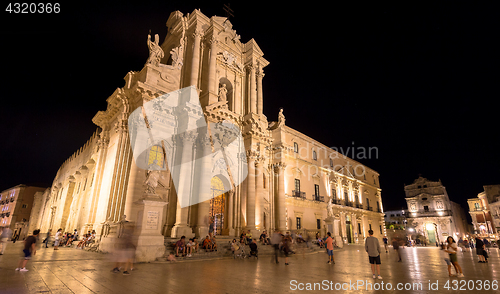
(28, 251)
(329, 248)
(47, 239)
(395, 245)
(452, 249)
(372, 247)
(6, 233)
(385, 243)
(287, 243)
(275, 241)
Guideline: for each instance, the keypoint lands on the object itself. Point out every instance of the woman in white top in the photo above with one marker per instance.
(452, 251)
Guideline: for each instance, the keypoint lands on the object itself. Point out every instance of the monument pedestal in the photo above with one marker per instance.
(332, 226)
(150, 241)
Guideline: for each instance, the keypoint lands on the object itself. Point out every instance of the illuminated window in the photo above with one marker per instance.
(295, 147)
(156, 156)
(315, 156)
(299, 225)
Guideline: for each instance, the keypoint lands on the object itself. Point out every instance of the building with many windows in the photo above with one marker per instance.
(431, 213)
(485, 211)
(293, 182)
(15, 208)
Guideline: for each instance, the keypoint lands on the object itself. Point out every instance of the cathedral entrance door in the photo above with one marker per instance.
(217, 206)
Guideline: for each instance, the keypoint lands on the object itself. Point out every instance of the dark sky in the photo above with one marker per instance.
(417, 81)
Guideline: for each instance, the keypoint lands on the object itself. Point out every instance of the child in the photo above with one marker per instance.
(171, 257)
(448, 261)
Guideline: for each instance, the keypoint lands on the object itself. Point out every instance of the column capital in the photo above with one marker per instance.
(278, 167)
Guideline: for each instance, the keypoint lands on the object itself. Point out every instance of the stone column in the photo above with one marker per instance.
(250, 203)
(195, 65)
(212, 87)
(279, 170)
(260, 104)
(203, 146)
(230, 212)
(253, 99)
(259, 201)
(184, 174)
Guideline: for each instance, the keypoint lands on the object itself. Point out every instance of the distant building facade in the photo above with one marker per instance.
(396, 218)
(15, 208)
(431, 213)
(485, 211)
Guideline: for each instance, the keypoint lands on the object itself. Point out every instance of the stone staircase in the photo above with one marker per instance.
(224, 250)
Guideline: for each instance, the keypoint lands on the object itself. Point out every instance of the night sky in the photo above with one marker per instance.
(417, 81)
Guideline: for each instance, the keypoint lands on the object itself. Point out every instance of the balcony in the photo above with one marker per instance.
(299, 194)
(359, 205)
(349, 203)
(429, 213)
(319, 198)
(337, 201)
(370, 208)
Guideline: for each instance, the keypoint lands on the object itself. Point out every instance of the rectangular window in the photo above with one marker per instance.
(316, 190)
(370, 225)
(295, 147)
(318, 224)
(380, 226)
(359, 228)
(24, 206)
(426, 208)
(297, 185)
(334, 194)
(299, 225)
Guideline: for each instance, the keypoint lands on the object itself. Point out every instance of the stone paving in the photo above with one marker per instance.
(69, 270)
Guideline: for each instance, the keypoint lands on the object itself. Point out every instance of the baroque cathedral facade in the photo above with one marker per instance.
(294, 182)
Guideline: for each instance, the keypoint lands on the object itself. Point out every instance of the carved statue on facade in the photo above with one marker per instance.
(155, 51)
(151, 182)
(223, 93)
(330, 208)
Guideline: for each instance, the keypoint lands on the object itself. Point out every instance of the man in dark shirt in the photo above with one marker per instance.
(29, 249)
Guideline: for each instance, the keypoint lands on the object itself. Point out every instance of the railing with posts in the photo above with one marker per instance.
(369, 208)
(337, 201)
(359, 205)
(318, 198)
(299, 194)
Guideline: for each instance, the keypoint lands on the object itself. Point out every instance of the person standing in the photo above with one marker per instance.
(47, 239)
(385, 243)
(6, 233)
(452, 249)
(287, 243)
(395, 245)
(28, 251)
(479, 249)
(329, 248)
(275, 241)
(372, 247)
(58, 238)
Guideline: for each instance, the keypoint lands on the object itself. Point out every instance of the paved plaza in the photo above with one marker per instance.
(75, 271)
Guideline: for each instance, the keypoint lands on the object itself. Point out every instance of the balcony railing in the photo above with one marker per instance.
(299, 194)
(338, 201)
(369, 208)
(319, 198)
(359, 205)
(429, 213)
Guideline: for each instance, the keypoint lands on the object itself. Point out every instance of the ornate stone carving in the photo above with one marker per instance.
(155, 51)
(151, 182)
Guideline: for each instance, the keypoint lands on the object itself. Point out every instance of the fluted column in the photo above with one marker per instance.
(253, 98)
(250, 203)
(212, 87)
(258, 195)
(260, 104)
(195, 65)
(203, 150)
(183, 177)
(279, 170)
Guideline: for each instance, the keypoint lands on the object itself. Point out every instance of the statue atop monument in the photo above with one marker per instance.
(155, 51)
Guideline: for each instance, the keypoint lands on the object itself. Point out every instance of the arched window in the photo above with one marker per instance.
(295, 147)
(156, 156)
(315, 156)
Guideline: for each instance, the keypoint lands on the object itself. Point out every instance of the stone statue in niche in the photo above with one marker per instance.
(155, 51)
(151, 182)
(223, 93)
